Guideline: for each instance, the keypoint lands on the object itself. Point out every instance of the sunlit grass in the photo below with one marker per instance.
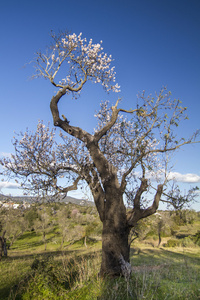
(73, 274)
(30, 272)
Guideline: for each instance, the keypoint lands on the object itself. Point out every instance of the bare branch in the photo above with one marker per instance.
(115, 111)
(72, 187)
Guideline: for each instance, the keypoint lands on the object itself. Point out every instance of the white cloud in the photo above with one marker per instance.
(9, 185)
(176, 176)
(189, 177)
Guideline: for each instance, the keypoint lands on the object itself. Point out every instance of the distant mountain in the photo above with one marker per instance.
(30, 199)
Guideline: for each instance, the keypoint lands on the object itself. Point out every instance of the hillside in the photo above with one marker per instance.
(32, 199)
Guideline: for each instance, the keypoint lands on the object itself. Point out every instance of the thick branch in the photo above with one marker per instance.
(54, 105)
(153, 208)
(90, 175)
(98, 195)
(137, 213)
(105, 169)
(73, 131)
(143, 187)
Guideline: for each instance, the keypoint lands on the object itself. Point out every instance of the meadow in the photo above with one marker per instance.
(69, 270)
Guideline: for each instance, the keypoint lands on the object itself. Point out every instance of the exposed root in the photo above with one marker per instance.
(125, 267)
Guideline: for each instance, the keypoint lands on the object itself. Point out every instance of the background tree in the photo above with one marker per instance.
(43, 224)
(13, 224)
(30, 216)
(3, 248)
(177, 199)
(118, 159)
(66, 228)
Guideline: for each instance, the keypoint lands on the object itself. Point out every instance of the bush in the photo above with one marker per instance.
(196, 238)
(184, 242)
(174, 228)
(172, 243)
(187, 242)
(48, 281)
(31, 215)
(54, 280)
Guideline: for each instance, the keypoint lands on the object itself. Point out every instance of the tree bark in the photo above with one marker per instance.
(159, 239)
(85, 241)
(115, 246)
(44, 241)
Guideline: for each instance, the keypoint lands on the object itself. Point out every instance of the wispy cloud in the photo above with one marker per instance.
(188, 178)
(9, 185)
(176, 176)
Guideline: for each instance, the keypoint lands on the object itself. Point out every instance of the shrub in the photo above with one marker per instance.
(31, 215)
(187, 242)
(48, 281)
(196, 238)
(172, 243)
(174, 228)
(54, 280)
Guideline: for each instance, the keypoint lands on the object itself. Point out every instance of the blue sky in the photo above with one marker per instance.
(154, 43)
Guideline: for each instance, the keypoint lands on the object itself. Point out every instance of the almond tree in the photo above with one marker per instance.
(115, 161)
(43, 225)
(3, 247)
(14, 225)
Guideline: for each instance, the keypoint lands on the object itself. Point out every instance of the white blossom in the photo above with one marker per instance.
(83, 59)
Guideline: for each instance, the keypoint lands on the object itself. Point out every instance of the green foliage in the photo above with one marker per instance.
(31, 215)
(51, 279)
(172, 243)
(196, 238)
(174, 229)
(184, 242)
(1, 226)
(47, 280)
(184, 217)
(187, 242)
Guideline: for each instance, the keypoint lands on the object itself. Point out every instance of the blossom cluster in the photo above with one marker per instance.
(81, 60)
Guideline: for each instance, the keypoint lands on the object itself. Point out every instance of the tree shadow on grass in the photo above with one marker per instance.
(161, 256)
(31, 244)
(26, 256)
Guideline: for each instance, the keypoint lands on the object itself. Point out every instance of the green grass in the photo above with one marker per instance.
(30, 273)
(175, 273)
(73, 274)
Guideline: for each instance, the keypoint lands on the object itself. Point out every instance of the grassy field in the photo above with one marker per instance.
(70, 270)
(158, 273)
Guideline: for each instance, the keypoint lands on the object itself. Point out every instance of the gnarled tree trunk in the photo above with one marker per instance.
(115, 247)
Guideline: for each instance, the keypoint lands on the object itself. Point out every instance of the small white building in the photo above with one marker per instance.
(16, 205)
(7, 205)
